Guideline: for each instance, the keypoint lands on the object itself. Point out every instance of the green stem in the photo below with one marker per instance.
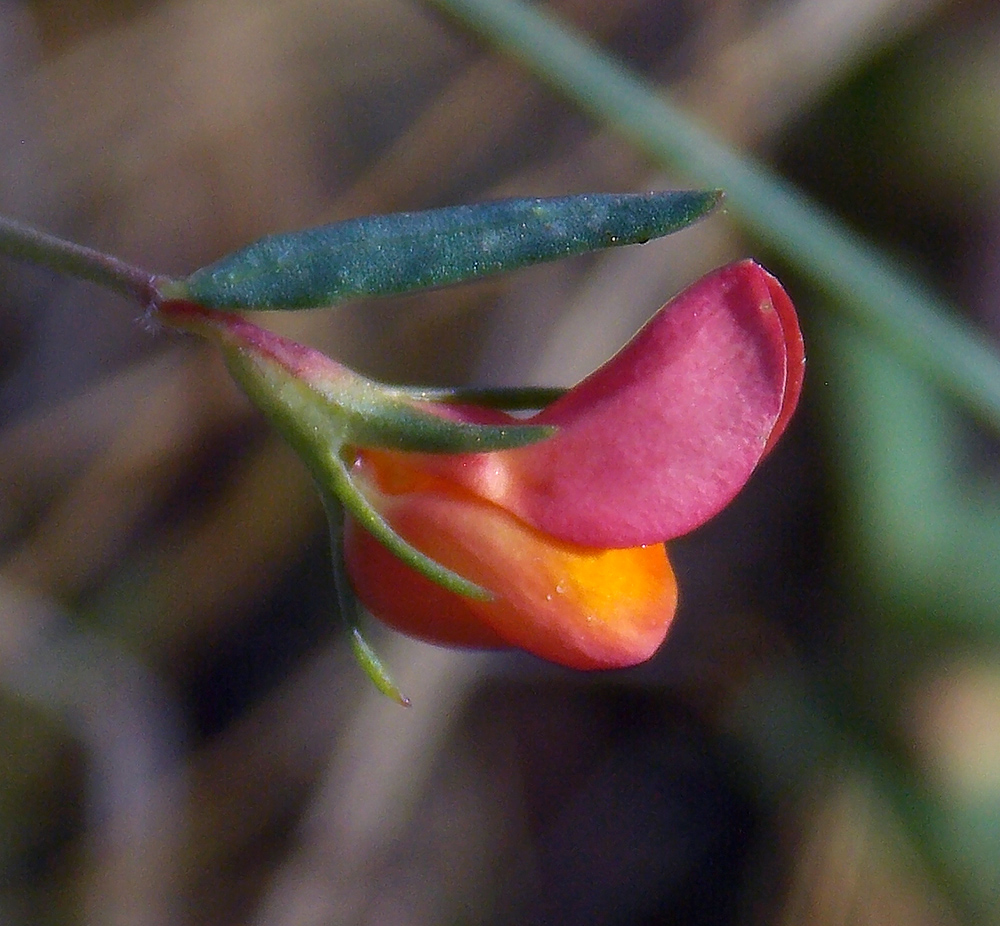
(869, 288)
(29, 244)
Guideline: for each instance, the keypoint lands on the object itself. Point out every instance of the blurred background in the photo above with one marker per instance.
(184, 738)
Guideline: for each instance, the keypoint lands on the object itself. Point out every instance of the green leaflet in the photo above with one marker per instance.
(386, 254)
(402, 426)
(508, 398)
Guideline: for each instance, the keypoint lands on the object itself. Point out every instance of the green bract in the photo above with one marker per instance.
(386, 254)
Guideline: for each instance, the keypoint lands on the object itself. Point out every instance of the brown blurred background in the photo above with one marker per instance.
(184, 738)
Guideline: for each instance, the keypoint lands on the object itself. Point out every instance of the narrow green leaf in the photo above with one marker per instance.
(364, 653)
(508, 398)
(866, 285)
(387, 254)
(402, 425)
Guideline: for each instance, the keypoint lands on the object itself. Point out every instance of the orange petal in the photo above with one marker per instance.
(577, 606)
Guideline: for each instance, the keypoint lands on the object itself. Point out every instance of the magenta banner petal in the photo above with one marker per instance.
(660, 438)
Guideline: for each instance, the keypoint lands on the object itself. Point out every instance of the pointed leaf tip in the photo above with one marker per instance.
(375, 669)
(387, 254)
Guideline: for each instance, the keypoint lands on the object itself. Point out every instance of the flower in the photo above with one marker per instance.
(467, 526)
(567, 534)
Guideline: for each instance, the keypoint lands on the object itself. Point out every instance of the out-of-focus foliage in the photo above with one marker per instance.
(186, 737)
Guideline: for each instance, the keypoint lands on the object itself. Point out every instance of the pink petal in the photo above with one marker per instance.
(661, 437)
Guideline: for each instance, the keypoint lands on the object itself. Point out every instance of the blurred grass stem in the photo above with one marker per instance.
(872, 290)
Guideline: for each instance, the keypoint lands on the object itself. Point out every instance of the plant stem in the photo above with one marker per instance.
(36, 247)
(868, 287)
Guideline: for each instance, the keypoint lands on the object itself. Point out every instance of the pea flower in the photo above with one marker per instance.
(468, 526)
(568, 533)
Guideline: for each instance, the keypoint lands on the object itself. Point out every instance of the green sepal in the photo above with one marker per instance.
(339, 482)
(364, 652)
(357, 411)
(324, 403)
(318, 432)
(512, 398)
(322, 410)
(374, 668)
(387, 254)
(396, 423)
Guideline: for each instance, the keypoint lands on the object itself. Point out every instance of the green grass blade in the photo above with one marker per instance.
(868, 287)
